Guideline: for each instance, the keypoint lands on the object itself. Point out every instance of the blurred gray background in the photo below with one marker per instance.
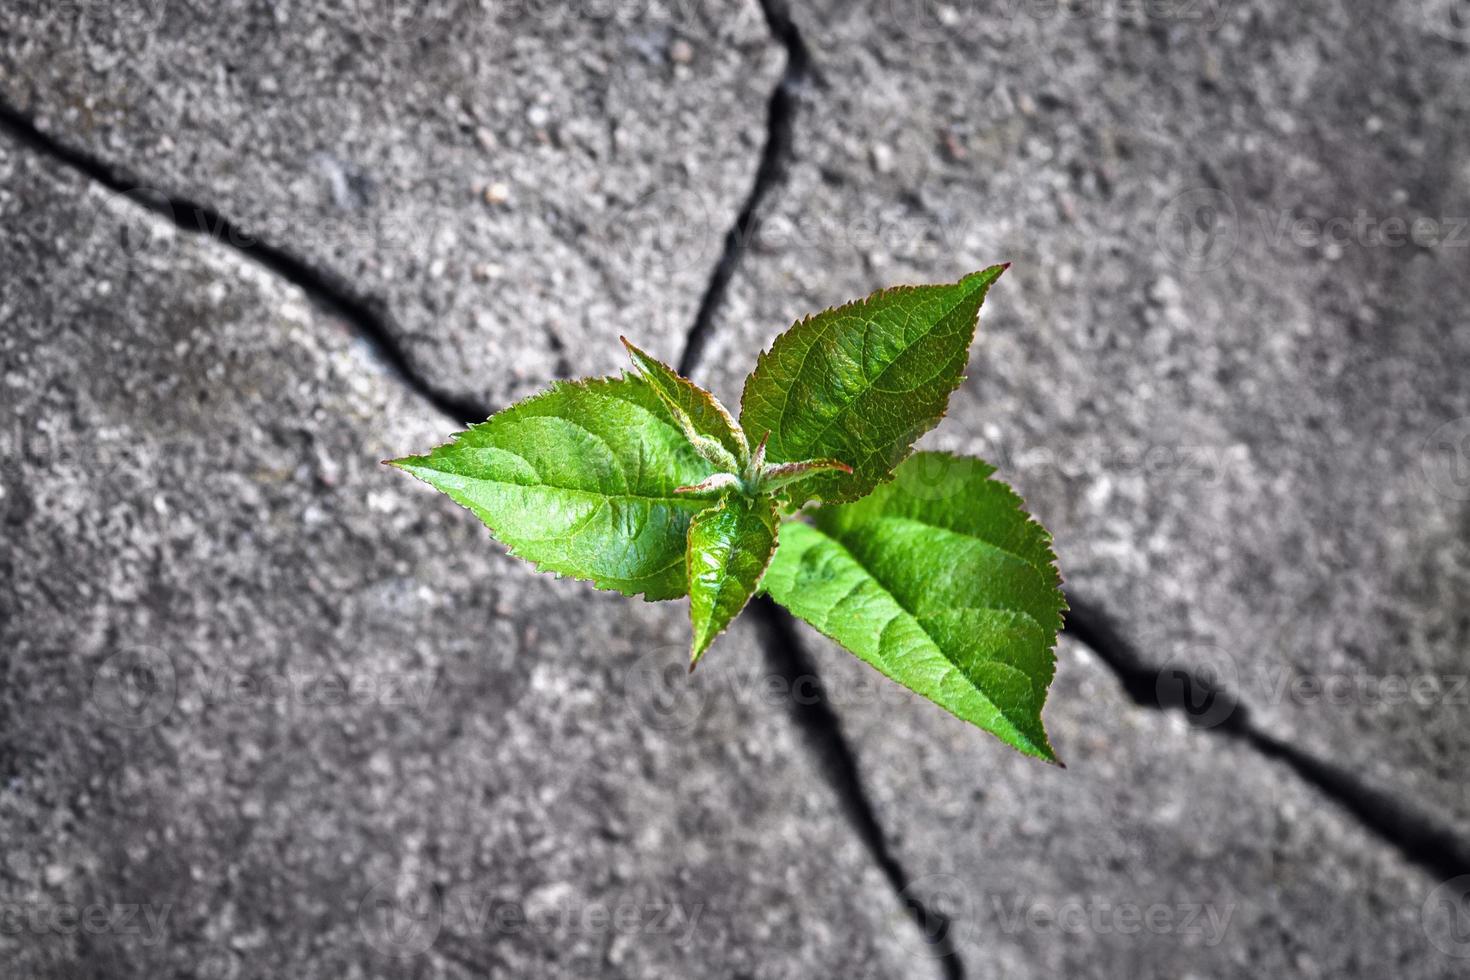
(268, 709)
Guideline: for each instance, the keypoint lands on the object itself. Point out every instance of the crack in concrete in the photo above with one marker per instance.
(1415, 835)
(366, 316)
(816, 719)
(821, 728)
(770, 173)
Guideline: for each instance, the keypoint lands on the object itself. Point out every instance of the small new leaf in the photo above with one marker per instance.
(581, 480)
(862, 382)
(941, 581)
(707, 424)
(729, 549)
(718, 483)
(779, 475)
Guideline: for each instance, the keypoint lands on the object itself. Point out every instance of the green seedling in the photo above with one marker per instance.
(921, 564)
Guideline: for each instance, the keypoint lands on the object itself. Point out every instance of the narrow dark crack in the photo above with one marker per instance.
(821, 729)
(1206, 704)
(1417, 836)
(815, 719)
(770, 173)
(365, 316)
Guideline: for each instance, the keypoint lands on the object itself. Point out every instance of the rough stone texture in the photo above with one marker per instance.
(1236, 438)
(254, 682)
(1227, 430)
(1161, 851)
(514, 184)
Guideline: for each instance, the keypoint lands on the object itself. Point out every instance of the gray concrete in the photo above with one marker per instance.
(513, 183)
(1236, 431)
(255, 682)
(1161, 851)
(1250, 448)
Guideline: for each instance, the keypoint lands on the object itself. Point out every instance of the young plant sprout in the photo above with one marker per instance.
(922, 565)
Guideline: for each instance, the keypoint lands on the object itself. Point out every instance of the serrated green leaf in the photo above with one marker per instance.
(729, 549)
(686, 400)
(580, 480)
(941, 581)
(862, 382)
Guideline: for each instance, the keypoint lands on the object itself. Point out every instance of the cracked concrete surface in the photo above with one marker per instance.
(1265, 498)
(1238, 417)
(260, 685)
(1161, 851)
(444, 160)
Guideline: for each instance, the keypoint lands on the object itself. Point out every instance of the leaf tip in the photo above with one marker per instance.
(759, 456)
(983, 279)
(1041, 749)
(699, 644)
(404, 463)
